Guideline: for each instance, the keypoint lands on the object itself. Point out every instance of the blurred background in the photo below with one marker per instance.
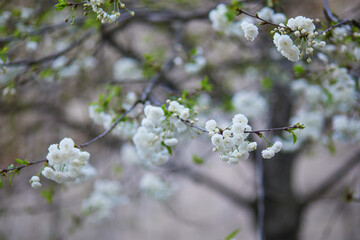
(210, 200)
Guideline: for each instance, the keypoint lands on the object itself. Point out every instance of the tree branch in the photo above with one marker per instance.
(29, 62)
(332, 179)
(211, 183)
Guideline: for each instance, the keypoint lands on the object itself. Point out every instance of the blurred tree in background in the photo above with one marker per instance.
(139, 100)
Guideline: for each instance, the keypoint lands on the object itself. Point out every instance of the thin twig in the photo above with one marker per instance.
(112, 126)
(343, 22)
(6, 170)
(328, 12)
(260, 192)
(332, 179)
(29, 62)
(240, 11)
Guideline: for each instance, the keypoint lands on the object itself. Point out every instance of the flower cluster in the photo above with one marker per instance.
(250, 103)
(66, 163)
(304, 30)
(337, 87)
(155, 187)
(285, 46)
(346, 129)
(218, 18)
(221, 22)
(127, 69)
(106, 195)
(35, 182)
(314, 122)
(124, 129)
(197, 62)
(63, 69)
(341, 87)
(231, 142)
(104, 16)
(128, 154)
(268, 14)
(158, 132)
(270, 151)
(250, 30)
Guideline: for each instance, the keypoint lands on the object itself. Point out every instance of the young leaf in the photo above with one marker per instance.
(167, 147)
(298, 70)
(11, 177)
(294, 137)
(19, 161)
(47, 195)
(197, 160)
(61, 5)
(205, 85)
(232, 235)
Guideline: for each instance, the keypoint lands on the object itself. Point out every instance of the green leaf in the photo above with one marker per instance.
(61, 5)
(198, 160)
(19, 161)
(227, 103)
(117, 169)
(11, 177)
(92, 22)
(192, 52)
(3, 54)
(230, 15)
(267, 83)
(45, 73)
(184, 95)
(23, 162)
(236, 4)
(294, 137)
(232, 235)
(298, 70)
(205, 85)
(167, 147)
(1, 182)
(48, 194)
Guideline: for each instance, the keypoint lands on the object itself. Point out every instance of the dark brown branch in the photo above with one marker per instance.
(39, 31)
(106, 132)
(264, 22)
(332, 179)
(76, 4)
(288, 128)
(6, 170)
(343, 22)
(329, 15)
(211, 183)
(29, 62)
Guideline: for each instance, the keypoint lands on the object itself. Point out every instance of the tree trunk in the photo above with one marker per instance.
(282, 211)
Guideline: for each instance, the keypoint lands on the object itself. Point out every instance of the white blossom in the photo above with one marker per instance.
(67, 163)
(218, 18)
(266, 13)
(127, 69)
(157, 130)
(197, 63)
(155, 187)
(35, 182)
(285, 46)
(252, 104)
(278, 18)
(250, 30)
(301, 23)
(101, 202)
